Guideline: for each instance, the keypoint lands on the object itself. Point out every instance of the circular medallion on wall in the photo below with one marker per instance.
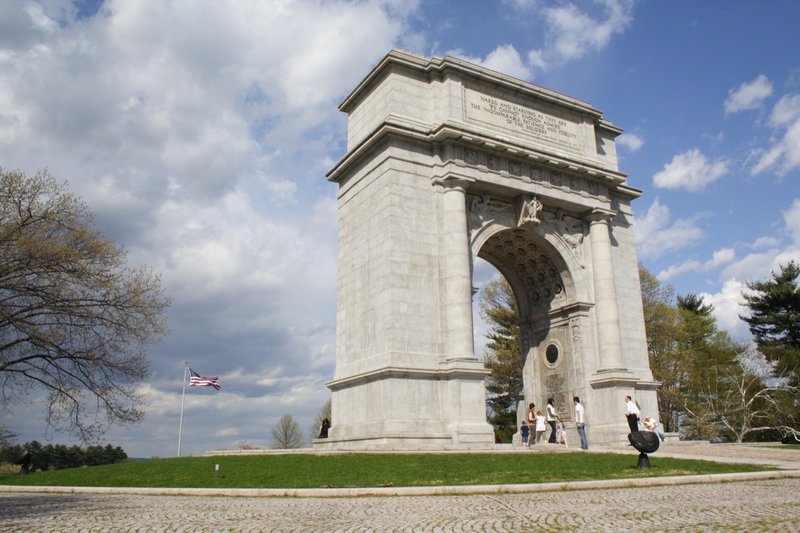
(551, 355)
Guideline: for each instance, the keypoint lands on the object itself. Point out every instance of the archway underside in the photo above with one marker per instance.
(527, 262)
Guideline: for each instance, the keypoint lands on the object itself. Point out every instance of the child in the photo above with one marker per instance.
(540, 427)
(651, 424)
(524, 430)
(561, 434)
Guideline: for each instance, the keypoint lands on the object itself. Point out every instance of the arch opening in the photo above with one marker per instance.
(548, 341)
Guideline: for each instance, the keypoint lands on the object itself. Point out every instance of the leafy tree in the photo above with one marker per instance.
(498, 307)
(723, 396)
(324, 413)
(669, 364)
(774, 319)
(715, 372)
(759, 406)
(75, 322)
(286, 434)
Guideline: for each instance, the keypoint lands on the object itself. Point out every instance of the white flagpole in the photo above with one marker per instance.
(183, 396)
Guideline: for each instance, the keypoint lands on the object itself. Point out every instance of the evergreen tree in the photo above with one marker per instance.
(498, 307)
(774, 319)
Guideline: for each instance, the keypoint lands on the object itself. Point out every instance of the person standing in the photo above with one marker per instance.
(532, 415)
(524, 431)
(551, 416)
(541, 428)
(561, 432)
(580, 423)
(323, 429)
(632, 414)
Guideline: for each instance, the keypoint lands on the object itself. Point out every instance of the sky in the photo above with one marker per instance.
(200, 133)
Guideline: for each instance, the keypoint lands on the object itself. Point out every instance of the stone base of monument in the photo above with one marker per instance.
(645, 442)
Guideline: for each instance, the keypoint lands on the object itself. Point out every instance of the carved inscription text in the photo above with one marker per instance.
(508, 115)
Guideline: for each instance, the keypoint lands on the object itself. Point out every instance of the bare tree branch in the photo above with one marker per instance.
(75, 321)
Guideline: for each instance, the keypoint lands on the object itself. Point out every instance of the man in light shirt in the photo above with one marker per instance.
(632, 414)
(552, 416)
(580, 423)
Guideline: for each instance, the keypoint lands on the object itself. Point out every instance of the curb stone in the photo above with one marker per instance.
(414, 491)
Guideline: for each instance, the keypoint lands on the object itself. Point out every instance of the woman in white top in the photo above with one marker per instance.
(541, 428)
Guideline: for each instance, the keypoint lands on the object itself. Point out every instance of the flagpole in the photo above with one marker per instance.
(183, 396)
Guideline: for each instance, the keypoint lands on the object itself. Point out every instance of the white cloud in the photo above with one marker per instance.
(631, 141)
(791, 219)
(786, 111)
(749, 95)
(756, 266)
(727, 307)
(690, 170)
(573, 32)
(507, 60)
(718, 259)
(655, 235)
(784, 154)
(200, 135)
(504, 58)
(538, 59)
(765, 242)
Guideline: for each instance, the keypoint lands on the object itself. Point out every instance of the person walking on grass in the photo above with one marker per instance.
(580, 423)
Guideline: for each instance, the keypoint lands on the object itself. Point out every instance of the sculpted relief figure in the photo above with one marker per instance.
(529, 214)
(569, 229)
(483, 209)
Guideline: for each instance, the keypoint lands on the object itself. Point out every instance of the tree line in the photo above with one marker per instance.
(58, 456)
(713, 386)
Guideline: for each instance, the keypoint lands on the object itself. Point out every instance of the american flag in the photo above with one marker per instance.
(199, 381)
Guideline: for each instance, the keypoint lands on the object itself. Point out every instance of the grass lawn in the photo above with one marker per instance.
(369, 470)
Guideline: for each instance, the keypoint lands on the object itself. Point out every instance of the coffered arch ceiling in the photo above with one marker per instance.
(537, 273)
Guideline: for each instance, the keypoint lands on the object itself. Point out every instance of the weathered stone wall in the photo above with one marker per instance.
(446, 162)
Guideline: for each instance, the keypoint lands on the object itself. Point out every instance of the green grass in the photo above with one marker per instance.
(369, 470)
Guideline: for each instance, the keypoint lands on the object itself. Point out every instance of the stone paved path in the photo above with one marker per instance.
(766, 505)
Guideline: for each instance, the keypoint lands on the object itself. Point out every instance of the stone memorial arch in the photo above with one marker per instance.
(448, 161)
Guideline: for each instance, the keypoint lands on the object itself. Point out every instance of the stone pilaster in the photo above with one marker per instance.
(458, 274)
(605, 293)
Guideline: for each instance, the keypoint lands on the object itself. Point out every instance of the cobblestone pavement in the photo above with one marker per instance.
(751, 505)
(764, 505)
